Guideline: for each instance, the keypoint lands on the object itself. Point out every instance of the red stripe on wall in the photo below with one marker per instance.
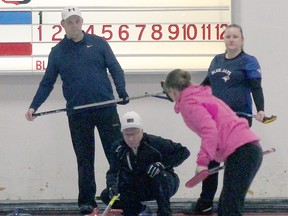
(14, 49)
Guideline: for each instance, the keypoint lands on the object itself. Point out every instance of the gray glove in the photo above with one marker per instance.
(154, 169)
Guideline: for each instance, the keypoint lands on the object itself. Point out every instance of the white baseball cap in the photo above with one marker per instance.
(70, 11)
(131, 120)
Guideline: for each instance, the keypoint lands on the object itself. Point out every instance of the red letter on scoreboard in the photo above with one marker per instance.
(40, 65)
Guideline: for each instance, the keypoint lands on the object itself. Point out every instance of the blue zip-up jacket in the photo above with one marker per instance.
(82, 67)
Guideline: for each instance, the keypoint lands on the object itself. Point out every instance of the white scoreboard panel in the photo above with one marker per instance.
(146, 36)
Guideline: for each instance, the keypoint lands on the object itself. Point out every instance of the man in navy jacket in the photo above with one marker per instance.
(82, 61)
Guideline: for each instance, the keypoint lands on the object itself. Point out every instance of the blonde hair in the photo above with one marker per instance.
(178, 79)
(236, 26)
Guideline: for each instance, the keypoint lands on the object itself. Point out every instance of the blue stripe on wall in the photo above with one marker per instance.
(15, 17)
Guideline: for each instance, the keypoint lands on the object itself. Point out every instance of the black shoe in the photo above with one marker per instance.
(146, 211)
(87, 209)
(200, 208)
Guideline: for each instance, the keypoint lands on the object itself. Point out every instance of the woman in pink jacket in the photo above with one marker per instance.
(224, 137)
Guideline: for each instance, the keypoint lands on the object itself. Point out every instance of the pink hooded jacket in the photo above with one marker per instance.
(220, 129)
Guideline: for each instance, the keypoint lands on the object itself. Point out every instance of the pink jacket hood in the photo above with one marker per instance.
(220, 129)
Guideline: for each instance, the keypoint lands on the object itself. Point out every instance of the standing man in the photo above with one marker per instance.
(82, 61)
(141, 169)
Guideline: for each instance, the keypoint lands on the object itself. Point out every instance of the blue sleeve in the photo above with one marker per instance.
(115, 69)
(46, 85)
(252, 68)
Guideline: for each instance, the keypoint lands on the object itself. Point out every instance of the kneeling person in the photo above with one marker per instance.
(141, 169)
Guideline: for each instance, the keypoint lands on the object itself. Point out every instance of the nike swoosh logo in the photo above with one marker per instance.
(88, 46)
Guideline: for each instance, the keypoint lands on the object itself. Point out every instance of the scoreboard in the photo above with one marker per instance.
(146, 36)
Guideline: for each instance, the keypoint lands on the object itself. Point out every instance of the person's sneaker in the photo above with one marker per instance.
(89, 210)
(200, 208)
(146, 212)
(95, 212)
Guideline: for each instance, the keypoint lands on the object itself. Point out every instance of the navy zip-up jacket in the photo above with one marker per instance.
(125, 166)
(82, 67)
